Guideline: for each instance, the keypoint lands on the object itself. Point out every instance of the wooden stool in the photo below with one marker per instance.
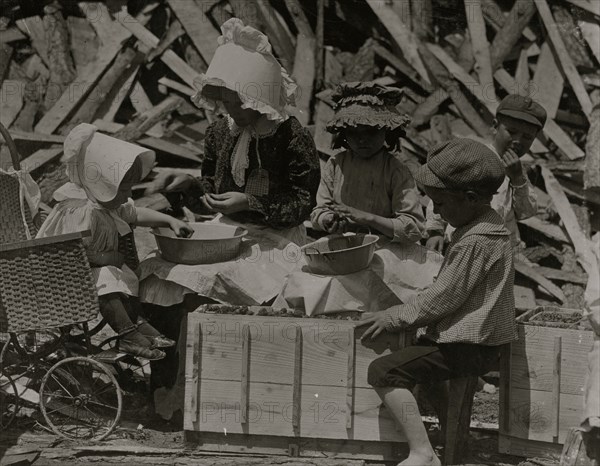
(453, 403)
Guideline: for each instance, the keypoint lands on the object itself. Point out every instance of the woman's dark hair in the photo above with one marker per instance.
(392, 139)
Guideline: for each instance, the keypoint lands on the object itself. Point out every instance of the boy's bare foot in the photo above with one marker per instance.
(416, 459)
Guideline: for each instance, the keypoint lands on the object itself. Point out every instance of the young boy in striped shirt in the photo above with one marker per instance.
(468, 312)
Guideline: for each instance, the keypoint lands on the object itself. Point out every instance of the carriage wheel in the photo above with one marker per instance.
(37, 344)
(9, 400)
(81, 399)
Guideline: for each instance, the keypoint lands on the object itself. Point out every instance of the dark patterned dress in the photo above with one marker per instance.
(290, 159)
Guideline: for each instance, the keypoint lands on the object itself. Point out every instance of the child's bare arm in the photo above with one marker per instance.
(152, 218)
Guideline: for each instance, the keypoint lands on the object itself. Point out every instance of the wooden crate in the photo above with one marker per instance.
(542, 379)
(286, 385)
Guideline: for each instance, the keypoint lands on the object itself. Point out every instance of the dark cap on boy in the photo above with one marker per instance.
(522, 108)
(462, 165)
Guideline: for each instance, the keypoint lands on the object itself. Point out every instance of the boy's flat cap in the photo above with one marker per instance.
(462, 165)
(522, 108)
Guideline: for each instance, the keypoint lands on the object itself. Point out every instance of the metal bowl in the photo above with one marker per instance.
(340, 254)
(210, 243)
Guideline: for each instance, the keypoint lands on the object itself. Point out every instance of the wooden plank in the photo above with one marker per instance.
(350, 378)
(480, 46)
(582, 245)
(533, 359)
(193, 360)
(591, 6)
(11, 101)
(522, 73)
(169, 58)
(524, 297)
(548, 81)
(591, 33)
(6, 53)
(244, 379)
(494, 16)
(478, 90)
(304, 75)
(34, 28)
(111, 35)
(547, 229)
(120, 96)
(297, 383)
(402, 35)
(529, 448)
(401, 66)
(37, 137)
(177, 86)
(40, 157)
(340, 452)
(591, 174)
(563, 57)
(142, 103)
(532, 274)
(11, 35)
(556, 388)
(562, 275)
(198, 26)
(551, 129)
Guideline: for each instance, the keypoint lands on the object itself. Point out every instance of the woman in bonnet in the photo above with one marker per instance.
(260, 165)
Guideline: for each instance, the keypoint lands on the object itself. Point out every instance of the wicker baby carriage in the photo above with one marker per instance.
(47, 288)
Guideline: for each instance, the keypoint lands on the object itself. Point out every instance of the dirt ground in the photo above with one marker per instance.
(143, 439)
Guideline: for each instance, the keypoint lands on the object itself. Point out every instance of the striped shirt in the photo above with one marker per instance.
(472, 299)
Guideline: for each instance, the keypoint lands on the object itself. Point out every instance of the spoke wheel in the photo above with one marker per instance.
(9, 400)
(80, 399)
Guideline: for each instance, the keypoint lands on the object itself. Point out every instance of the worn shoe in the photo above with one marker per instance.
(161, 341)
(136, 350)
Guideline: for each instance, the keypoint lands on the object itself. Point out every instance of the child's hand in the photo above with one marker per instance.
(350, 213)
(181, 229)
(333, 223)
(227, 203)
(513, 167)
(377, 322)
(436, 243)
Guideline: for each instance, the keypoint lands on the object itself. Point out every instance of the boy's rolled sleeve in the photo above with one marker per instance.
(464, 268)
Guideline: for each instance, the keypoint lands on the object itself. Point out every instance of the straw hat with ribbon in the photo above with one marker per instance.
(244, 63)
(369, 104)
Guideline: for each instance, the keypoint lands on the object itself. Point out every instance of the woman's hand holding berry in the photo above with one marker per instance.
(227, 203)
(350, 213)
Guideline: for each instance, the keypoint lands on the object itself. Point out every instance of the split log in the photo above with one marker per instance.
(170, 58)
(42, 157)
(404, 68)
(563, 57)
(142, 123)
(108, 110)
(402, 35)
(504, 41)
(452, 88)
(197, 25)
(494, 16)
(591, 175)
(34, 28)
(362, 66)
(548, 81)
(111, 35)
(304, 61)
(142, 103)
(571, 36)
(84, 41)
(480, 46)
(582, 245)
(562, 276)
(440, 129)
(422, 18)
(11, 35)
(522, 74)
(547, 229)
(532, 274)
(320, 46)
(591, 34)
(177, 86)
(88, 110)
(6, 52)
(12, 100)
(60, 63)
(465, 53)
(174, 32)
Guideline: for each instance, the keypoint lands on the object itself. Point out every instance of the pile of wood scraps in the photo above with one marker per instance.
(130, 67)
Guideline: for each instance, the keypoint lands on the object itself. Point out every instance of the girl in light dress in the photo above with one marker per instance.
(102, 171)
